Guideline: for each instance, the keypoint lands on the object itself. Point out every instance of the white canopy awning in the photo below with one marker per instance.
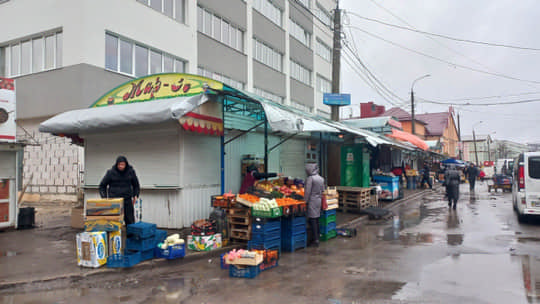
(290, 122)
(151, 112)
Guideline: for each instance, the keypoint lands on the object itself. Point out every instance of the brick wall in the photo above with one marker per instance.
(52, 163)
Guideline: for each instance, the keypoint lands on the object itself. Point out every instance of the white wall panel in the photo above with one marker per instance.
(293, 158)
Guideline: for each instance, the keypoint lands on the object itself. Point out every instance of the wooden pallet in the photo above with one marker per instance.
(239, 232)
(245, 212)
(239, 220)
(354, 199)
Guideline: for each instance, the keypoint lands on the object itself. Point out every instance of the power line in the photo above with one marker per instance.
(445, 36)
(443, 60)
(482, 104)
(492, 96)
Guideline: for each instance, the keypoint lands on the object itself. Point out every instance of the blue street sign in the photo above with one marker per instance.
(331, 99)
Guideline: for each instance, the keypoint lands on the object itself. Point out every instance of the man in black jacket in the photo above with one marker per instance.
(121, 182)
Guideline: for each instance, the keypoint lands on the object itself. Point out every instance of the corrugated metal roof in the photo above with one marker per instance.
(366, 123)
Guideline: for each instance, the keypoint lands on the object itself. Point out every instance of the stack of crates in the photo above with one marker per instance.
(327, 225)
(144, 237)
(293, 233)
(265, 234)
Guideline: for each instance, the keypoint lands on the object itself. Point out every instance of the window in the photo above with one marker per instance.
(267, 55)
(269, 10)
(323, 85)
(300, 73)
(323, 15)
(220, 29)
(534, 167)
(323, 50)
(300, 33)
(268, 95)
(304, 3)
(219, 77)
(128, 57)
(301, 106)
(40, 53)
(173, 8)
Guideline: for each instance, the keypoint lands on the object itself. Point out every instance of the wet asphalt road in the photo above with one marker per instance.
(426, 254)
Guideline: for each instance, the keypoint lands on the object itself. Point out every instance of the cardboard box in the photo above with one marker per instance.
(77, 218)
(114, 239)
(204, 242)
(116, 218)
(111, 206)
(92, 249)
(102, 225)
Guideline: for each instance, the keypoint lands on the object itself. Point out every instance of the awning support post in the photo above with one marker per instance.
(265, 145)
(222, 139)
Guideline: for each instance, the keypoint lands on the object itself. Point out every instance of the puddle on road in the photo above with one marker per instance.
(527, 239)
(8, 253)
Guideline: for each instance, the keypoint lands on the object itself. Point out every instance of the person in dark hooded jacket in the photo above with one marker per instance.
(313, 196)
(451, 181)
(121, 182)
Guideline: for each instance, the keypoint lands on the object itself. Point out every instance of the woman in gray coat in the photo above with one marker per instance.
(313, 196)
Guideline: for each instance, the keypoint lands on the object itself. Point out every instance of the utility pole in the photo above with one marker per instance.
(475, 149)
(459, 137)
(412, 113)
(336, 60)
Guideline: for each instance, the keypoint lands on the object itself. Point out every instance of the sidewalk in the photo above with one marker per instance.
(48, 253)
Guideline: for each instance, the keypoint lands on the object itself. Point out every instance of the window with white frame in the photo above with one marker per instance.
(267, 55)
(323, 50)
(220, 77)
(175, 9)
(305, 3)
(268, 95)
(220, 29)
(300, 73)
(298, 32)
(135, 59)
(323, 85)
(323, 15)
(40, 53)
(323, 113)
(301, 106)
(269, 10)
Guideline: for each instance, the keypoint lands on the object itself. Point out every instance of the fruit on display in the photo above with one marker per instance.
(288, 202)
(249, 197)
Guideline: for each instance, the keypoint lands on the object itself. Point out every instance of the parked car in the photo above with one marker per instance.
(526, 185)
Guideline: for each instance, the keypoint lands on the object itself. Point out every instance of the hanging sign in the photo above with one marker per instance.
(155, 87)
(331, 99)
(7, 110)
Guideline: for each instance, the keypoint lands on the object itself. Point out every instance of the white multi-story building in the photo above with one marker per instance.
(65, 54)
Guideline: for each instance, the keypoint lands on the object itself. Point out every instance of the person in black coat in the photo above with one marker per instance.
(451, 181)
(426, 176)
(121, 182)
(472, 174)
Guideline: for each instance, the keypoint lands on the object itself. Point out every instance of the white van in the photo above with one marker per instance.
(526, 185)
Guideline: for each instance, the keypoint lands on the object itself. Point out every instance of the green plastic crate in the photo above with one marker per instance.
(330, 235)
(324, 221)
(274, 212)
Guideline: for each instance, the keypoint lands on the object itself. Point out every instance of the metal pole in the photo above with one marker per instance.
(459, 137)
(489, 150)
(265, 145)
(336, 60)
(222, 140)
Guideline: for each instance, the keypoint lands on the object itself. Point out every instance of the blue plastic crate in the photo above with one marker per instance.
(327, 213)
(141, 230)
(248, 272)
(269, 226)
(128, 259)
(173, 252)
(265, 237)
(147, 254)
(275, 244)
(295, 230)
(294, 243)
(140, 244)
(160, 236)
(223, 264)
(326, 229)
(265, 266)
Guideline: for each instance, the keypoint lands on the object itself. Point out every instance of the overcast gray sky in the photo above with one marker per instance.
(509, 22)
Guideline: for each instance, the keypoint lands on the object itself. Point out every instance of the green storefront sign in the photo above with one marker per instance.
(355, 166)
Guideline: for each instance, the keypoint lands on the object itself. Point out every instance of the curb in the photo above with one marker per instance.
(363, 219)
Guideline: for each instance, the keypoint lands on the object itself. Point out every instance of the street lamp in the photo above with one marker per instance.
(474, 140)
(412, 101)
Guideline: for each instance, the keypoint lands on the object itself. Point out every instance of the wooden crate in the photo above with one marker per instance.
(239, 220)
(354, 198)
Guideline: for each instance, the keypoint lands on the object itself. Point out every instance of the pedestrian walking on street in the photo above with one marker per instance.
(313, 197)
(472, 175)
(426, 176)
(451, 181)
(121, 182)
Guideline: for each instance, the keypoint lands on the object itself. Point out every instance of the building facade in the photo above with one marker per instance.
(508, 149)
(65, 54)
(484, 148)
